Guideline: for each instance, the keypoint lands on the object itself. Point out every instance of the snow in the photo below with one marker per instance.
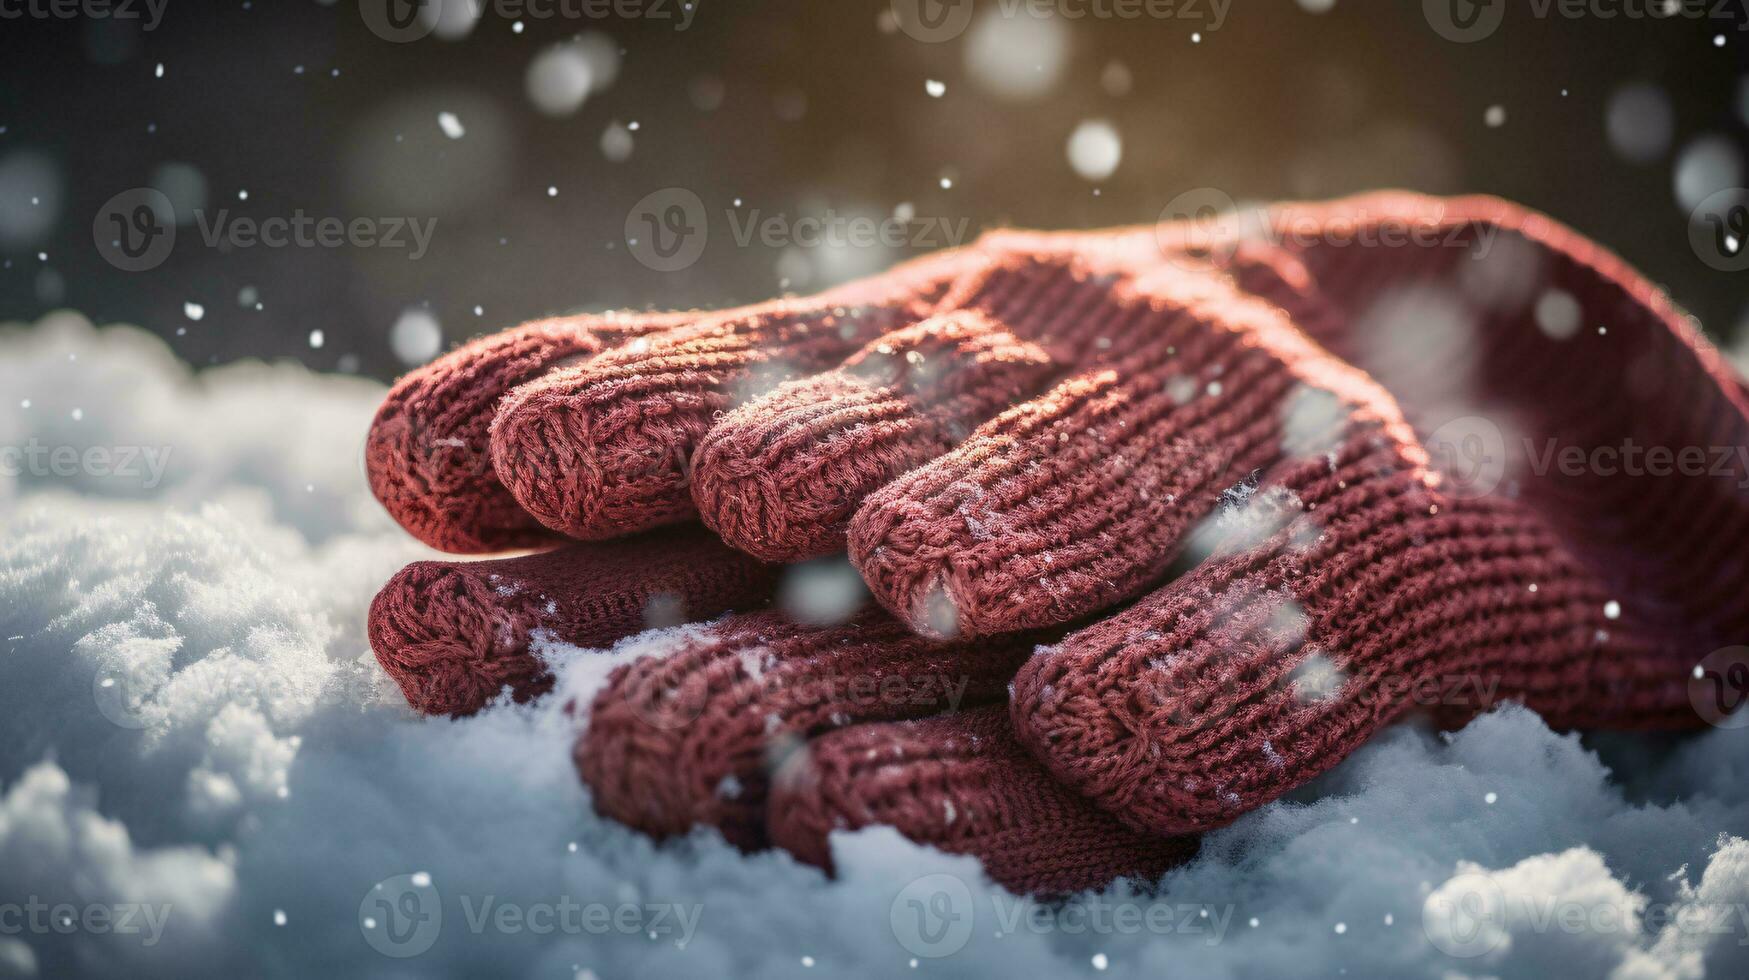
(825, 591)
(253, 790)
(1016, 58)
(1095, 149)
(416, 337)
(558, 80)
(1640, 122)
(1706, 166)
(616, 141)
(1558, 314)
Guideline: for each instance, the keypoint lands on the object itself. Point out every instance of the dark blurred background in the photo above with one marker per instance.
(529, 129)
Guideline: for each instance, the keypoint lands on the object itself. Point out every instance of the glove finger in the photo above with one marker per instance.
(780, 476)
(1081, 497)
(687, 738)
(454, 634)
(603, 449)
(427, 455)
(1271, 662)
(962, 783)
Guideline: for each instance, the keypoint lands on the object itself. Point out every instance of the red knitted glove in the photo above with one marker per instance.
(428, 460)
(780, 734)
(456, 634)
(428, 456)
(1344, 580)
(1344, 571)
(850, 718)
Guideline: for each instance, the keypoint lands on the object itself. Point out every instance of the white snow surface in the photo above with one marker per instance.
(192, 728)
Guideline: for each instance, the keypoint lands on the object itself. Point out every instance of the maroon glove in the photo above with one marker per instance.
(1164, 402)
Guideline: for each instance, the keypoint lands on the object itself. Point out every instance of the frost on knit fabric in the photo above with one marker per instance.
(251, 765)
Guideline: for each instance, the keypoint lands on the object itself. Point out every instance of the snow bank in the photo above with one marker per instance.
(203, 772)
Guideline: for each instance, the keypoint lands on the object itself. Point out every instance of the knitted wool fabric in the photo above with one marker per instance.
(690, 737)
(1349, 586)
(603, 449)
(1082, 496)
(1345, 575)
(687, 739)
(455, 634)
(427, 455)
(961, 783)
(782, 476)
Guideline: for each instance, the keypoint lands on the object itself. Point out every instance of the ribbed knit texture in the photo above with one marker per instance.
(455, 634)
(1341, 586)
(427, 454)
(780, 476)
(963, 784)
(1201, 405)
(603, 449)
(687, 739)
(1081, 497)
